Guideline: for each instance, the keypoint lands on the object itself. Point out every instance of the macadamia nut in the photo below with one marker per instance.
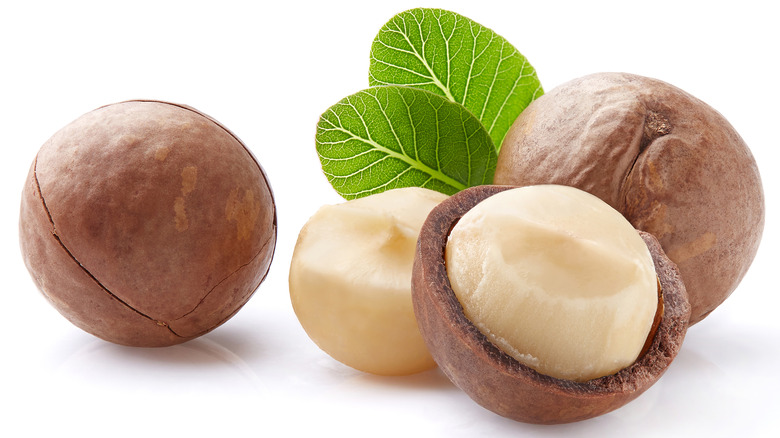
(147, 223)
(350, 280)
(498, 381)
(556, 278)
(669, 162)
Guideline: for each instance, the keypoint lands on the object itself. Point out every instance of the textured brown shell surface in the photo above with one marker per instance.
(167, 214)
(669, 162)
(497, 381)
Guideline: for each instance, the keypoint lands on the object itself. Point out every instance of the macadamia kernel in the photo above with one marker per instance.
(556, 278)
(350, 280)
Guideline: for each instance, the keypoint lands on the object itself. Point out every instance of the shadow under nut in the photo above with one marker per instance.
(499, 382)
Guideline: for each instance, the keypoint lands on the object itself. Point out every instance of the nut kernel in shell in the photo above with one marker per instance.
(499, 382)
(350, 280)
(556, 278)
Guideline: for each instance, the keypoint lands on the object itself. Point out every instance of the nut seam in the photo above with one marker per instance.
(83, 268)
(262, 249)
(655, 126)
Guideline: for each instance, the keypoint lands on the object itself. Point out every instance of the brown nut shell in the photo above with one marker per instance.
(147, 223)
(670, 163)
(499, 382)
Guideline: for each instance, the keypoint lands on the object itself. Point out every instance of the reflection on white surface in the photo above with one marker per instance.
(187, 367)
(100, 388)
(261, 374)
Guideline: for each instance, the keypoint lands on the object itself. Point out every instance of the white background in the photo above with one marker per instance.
(267, 73)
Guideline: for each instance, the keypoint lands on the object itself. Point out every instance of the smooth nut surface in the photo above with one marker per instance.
(669, 162)
(350, 280)
(147, 223)
(556, 278)
(499, 382)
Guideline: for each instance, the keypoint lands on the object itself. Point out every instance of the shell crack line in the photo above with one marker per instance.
(83, 268)
(260, 251)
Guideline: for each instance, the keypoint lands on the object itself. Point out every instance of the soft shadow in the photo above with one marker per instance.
(245, 342)
(99, 360)
(431, 380)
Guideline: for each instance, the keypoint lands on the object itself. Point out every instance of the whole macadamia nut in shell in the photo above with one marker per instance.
(666, 160)
(147, 223)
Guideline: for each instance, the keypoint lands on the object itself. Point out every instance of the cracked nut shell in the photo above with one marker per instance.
(499, 382)
(147, 223)
(670, 163)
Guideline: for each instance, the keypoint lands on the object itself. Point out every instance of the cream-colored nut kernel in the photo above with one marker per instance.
(556, 278)
(350, 280)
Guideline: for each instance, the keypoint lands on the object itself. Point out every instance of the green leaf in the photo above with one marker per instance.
(451, 55)
(388, 137)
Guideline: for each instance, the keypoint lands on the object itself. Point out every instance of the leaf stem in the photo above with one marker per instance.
(413, 163)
